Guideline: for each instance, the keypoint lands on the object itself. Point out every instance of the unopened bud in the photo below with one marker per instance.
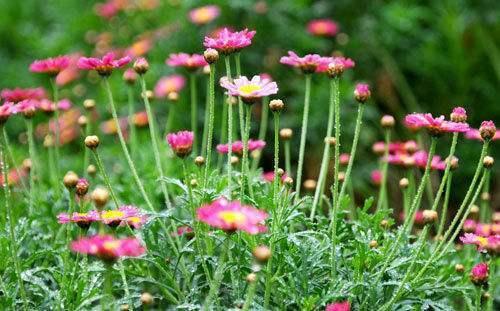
(488, 161)
(48, 141)
(91, 169)
(146, 298)
(173, 96)
(286, 133)
(89, 104)
(403, 183)
(485, 196)
(459, 268)
(384, 223)
(251, 277)
(373, 244)
(281, 172)
(141, 66)
(331, 141)
(387, 121)
(362, 92)
(27, 163)
(206, 69)
(92, 142)
(235, 160)
(199, 161)
(100, 196)
(341, 176)
(82, 187)
(211, 55)
(487, 130)
(276, 105)
(429, 216)
(130, 76)
(288, 181)
(458, 115)
(82, 121)
(453, 163)
(149, 94)
(309, 184)
(70, 180)
(474, 210)
(193, 183)
(262, 253)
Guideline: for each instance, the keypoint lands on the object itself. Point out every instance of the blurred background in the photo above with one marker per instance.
(418, 56)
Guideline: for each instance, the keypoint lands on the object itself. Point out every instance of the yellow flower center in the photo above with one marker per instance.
(482, 241)
(110, 245)
(232, 217)
(249, 88)
(112, 214)
(134, 220)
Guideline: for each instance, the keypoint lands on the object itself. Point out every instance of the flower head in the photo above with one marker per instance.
(123, 214)
(181, 142)
(169, 84)
(184, 231)
(107, 247)
(105, 65)
(335, 66)
(204, 14)
(27, 107)
(362, 92)
(469, 225)
(227, 42)
(7, 109)
(237, 146)
(232, 216)
(458, 115)
(479, 274)
(376, 177)
(190, 62)
(83, 220)
(308, 64)
(322, 27)
(16, 95)
(339, 306)
(250, 91)
(51, 66)
(269, 176)
(435, 126)
(487, 130)
(476, 135)
(488, 243)
(420, 159)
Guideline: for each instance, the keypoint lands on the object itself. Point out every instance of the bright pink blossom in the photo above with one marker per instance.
(479, 273)
(269, 176)
(114, 218)
(51, 66)
(435, 126)
(376, 177)
(308, 63)
(104, 66)
(18, 94)
(190, 62)
(107, 247)
(421, 158)
(339, 306)
(362, 92)
(227, 42)
(83, 220)
(232, 216)
(237, 146)
(250, 91)
(169, 84)
(344, 158)
(181, 142)
(204, 15)
(7, 109)
(322, 27)
(27, 107)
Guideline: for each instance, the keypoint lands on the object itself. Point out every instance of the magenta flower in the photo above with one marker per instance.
(362, 92)
(237, 146)
(421, 158)
(27, 107)
(474, 134)
(232, 216)
(487, 130)
(376, 177)
(16, 95)
(227, 42)
(104, 66)
(51, 66)
(169, 84)
(184, 231)
(250, 91)
(204, 14)
(113, 218)
(107, 247)
(190, 62)
(337, 65)
(479, 274)
(435, 126)
(339, 306)
(488, 243)
(7, 109)
(269, 176)
(344, 158)
(83, 220)
(322, 27)
(469, 225)
(181, 143)
(308, 64)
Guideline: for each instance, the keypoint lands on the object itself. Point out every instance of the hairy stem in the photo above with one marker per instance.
(211, 120)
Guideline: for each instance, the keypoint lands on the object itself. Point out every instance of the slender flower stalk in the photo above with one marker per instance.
(108, 300)
(223, 129)
(444, 210)
(484, 214)
(264, 118)
(121, 267)
(13, 240)
(276, 107)
(57, 140)
(105, 177)
(250, 291)
(10, 154)
(244, 164)
(382, 195)
(229, 132)
(303, 135)
(131, 123)
(211, 58)
(218, 275)
(286, 146)
(154, 140)
(88, 130)
(334, 98)
(34, 162)
(241, 111)
(194, 109)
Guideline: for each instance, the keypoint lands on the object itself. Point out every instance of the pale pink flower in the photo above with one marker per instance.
(227, 42)
(169, 84)
(18, 94)
(51, 66)
(7, 109)
(339, 306)
(308, 64)
(190, 62)
(250, 91)
(421, 158)
(181, 143)
(435, 126)
(322, 27)
(71, 72)
(232, 216)
(83, 220)
(237, 146)
(184, 231)
(204, 15)
(107, 247)
(27, 107)
(105, 65)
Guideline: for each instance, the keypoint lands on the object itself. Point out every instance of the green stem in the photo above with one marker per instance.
(277, 178)
(334, 98)
(382, 195)
(223, 130)
(336, 156)
(446, 171)
(478, 298)
(229, 133)
(131, 123)
(206, 118)
(211, 120)
(34, 163)
(445, 205)
(170, 118)
(88, 129)
(303, 136)
(124, 146)
(240, 102)
(194, 111)
(288, 165)
(154, 141)
(57, 130)
(485, 206)
(250, 294)
(105, 177)
(218, 276)
(125, 285)
(107, 302)
(12, 159)
(244, 164)
(264, 118)
(13, 241)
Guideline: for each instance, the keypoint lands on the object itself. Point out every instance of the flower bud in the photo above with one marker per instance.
(262, 253)
(458, 115)
(335, 69)
(487, 130)
(100, 196)
(255, 154)
(251, 277)
(82, 187)
(488, 162)
(199, 161)
(384, 223)
(286, 133)
(474, 210)
(387, 121)
(429, 216)
(92, 142)
(373, 244)
(453, 162)
(281, 172)
(276, 105)
(288, 181)
(141, 65)
(403, 183)
(91, 169)
(459, 268)
(485, 196)
(70, 180)
(206, 69)
(309, 184)
(341, 176)
(124, 307)
(235, 160)
(211, 55)
(146, 298)
(82, 121)
(479, 274)
(362, 92)
(193, 183)
(89, 104)
(27, 164)
(130, 76)
(173, 96)
(331, 141)
(496, 217)
(378, 148)
(48, 141)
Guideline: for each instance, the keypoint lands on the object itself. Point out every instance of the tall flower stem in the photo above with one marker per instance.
(244, 164)
(277, 178)
(13, 240)
(206, 118)
(211, 120)
(250, 294)
(264, 118)
(334, 98)
(170, 118)
(445, 205)
(336, 155)
(223, 130)
(218, 275)
(485, 206)
(229, 132)
(131, 123)
(34, 162)
(303, 135)
(57, 141)
(382, 195)
(108, 300)
(124, 146)
(88, 129)
(288, 165)
(105, 177)
(336, 205)
(194, 110)
(154, 141)
(240, 102)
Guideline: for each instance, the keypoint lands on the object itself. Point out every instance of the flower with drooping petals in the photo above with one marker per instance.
(308, 63)
(335, 66)
(362, 92)
(339, 306)
(227, 42)
(204, 14)
(51, 66)
(474, 134)
(237, 146)
(83, 220)
(169, 84)
(322, 27)
(113, 218)
(435, 126)
(250, 91)
(479, 274)
(232, 216)
(7, 109)
(107, 247)
(16, 95)
(104, 66)
(190, 62)
(181, 142)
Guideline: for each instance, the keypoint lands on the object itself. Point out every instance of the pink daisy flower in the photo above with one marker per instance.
(435, 126)
(107, 247)
(232, 216)
(308, 64)
(338, 63)
(169, 84)
(113, 218)
(322, 27)
(269, 176)
(421, 158)
(190, 62)
(250, 91)
(51, 66)
(339, 306)
(7, 109)
(227, 42)
(104, 66)
(237, 146)
(184, 231)
(181, 143)
(27, 107)
(490, 243)
(18, 94)
(204, 15)
(479, 274)
(83, 220)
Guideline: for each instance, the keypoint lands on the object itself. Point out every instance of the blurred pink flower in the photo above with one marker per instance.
(18, 94)
(169, 84)
(376, 177)
(435, 126)
(308, 64)
(104, 66)
(339, 306)
(7, 109)
(107, 247)
(269, 176)
(204, 14)
(227, 42)
(479, 273)
(237, 146)
(51, 66)
(190, 62)
(322, 27)
(83, 220)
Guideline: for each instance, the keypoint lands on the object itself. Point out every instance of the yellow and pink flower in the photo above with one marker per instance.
(169, 84)
(107, 247)
(250, 91)
(51, 66)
